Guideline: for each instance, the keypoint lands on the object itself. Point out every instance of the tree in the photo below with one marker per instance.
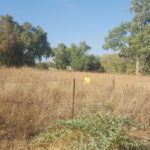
(35, 41)
(87, 63)
(21, 44)
(132, 39)
(75, 56)
(141, 8)
(65, 56)
(62, 56)
(11, 46)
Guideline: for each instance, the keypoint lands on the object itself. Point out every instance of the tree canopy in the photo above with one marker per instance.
(21, 44)
(76, 56)
(132, 38)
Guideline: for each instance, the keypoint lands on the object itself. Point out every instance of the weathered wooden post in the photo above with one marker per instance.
(73, 96)
(113, 83)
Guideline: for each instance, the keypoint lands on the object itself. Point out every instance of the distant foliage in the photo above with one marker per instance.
(76, 56)
(91, 132)
(87, 63)
(112, 63)
(51, 64)
(42, 65)
(61, 56)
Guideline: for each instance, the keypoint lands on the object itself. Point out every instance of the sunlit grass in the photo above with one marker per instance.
(32, 99)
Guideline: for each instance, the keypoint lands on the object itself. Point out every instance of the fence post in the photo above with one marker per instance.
(73, 96)
(113, 83)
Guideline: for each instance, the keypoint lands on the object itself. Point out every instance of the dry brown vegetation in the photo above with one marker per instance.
(31, 99)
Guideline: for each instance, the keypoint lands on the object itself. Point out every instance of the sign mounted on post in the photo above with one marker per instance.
(87, 80)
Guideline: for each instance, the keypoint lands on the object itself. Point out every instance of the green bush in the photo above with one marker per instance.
(112, 63)
(86, 63)
(42, 65)
(92, 132)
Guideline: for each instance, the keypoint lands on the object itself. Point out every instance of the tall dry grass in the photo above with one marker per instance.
(31, 99)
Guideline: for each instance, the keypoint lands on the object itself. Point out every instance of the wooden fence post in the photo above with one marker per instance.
(73, 96)
(113, 83)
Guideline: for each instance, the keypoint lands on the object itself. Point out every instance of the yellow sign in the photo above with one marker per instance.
(87, 80)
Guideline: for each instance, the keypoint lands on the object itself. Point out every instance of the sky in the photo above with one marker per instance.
(71, 21)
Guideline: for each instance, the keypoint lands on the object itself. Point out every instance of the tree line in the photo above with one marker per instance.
(25, 44)
(76, 56)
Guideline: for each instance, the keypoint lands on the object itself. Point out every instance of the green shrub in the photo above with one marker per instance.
(92, 132)
(42, 65)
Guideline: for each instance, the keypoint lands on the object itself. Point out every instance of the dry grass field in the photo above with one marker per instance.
(31, 99)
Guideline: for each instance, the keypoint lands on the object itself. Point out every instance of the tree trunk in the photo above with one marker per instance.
(137, 69)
